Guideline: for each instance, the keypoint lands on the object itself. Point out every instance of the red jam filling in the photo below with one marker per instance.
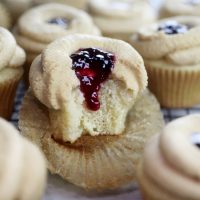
(92, 67)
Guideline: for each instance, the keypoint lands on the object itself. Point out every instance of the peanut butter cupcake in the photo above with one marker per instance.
(180, 7)
(120, 19)
(22, 166)
(5, 19)
(87, 110)
(12, 58)
(171, 50)
(175, 174)
(43, 24)
(81, 4)
(18, 7)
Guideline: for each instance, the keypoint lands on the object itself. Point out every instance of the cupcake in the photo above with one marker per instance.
(43, 24)
(81, 4)
(17, 7)
(5, 19)
(170, 49)
(12, 58)
(87, 110)
(22, 166)
(180, 7)
(175, 174)
(120, 19)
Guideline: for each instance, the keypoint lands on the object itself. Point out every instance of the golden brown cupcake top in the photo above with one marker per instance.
(22, 166)
(180, 7)
(176, 152)
(11, 55)
(61, 78)
(173, 40)
(120, 16)
(43, 24)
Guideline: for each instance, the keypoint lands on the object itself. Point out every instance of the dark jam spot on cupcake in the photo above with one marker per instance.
(193, 2)
(172, 27)
(195, 139)
(92, 67)
(59, 21)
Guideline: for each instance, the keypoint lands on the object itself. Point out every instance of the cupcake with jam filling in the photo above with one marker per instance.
(171, 49)
(43, 24)
(12, 58)
(180, 7)
(5, 18)
(175, 174)
(120, 19)
(88, 111)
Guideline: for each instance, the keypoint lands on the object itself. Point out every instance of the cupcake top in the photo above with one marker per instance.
(81, 4)
(43, 24)
(11, 55)
(176, 152)
(181, 7)
(5, 19)
(20, 177)
(172, 40)
(82, 76)
(125, 16)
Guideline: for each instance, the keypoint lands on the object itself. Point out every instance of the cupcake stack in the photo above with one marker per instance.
(96, 74)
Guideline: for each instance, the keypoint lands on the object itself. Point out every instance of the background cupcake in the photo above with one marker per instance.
(171, 50)
(5, 18)
(119, 19)
(180, 7)
(22, 166)
(43, 24)
(12, 57)
(166, 179)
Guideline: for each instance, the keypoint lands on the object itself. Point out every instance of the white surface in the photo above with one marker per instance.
(58, 189)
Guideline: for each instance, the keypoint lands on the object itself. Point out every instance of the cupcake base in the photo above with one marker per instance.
(175, 87)
(7, 92)
(94, 162)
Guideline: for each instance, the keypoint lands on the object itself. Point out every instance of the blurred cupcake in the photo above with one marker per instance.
(169, 169)
(180, 7)
(81, 4)
(120, 19)
(17, 7)
(12, 57)
(43, 24)
(22, 166)
(87, 109)
(5, 18)
(171, 51)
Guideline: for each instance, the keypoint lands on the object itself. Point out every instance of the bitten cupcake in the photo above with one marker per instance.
(22, 166)
(169, 169)
(43, 24)
(171, 50)
(120, 19)
(5, 19)
(12, 58)
(180, 7)
(87, 109)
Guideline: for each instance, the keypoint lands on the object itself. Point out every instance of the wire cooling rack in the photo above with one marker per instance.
(169, 114)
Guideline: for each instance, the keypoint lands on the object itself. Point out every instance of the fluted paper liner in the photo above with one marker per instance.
(7, 95)
(94, 162)
(175, 87)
